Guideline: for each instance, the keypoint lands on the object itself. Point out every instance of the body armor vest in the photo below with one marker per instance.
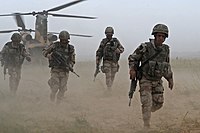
(109, 50)
(61, 56)
(14, 55)
(157, 67)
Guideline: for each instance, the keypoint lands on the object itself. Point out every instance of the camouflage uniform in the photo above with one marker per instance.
(109, 50)
(12, 59)
(151, 85)
(59, 71)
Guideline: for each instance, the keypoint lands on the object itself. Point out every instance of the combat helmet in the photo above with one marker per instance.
(109, 30)
(64, 35)
(160, 28)
(16, 37)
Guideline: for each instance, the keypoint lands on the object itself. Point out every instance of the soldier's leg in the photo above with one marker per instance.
(54, 85)
(146, 100)
(63, 85)
(18, 77)
(112, 77)
(157, 97)
(12, 80)
(114, 70)
(12, 84)
(107, 71)
(108, 80)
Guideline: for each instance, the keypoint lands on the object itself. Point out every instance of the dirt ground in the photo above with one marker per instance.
(89, 108)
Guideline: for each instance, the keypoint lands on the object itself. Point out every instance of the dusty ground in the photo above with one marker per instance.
(89, 108)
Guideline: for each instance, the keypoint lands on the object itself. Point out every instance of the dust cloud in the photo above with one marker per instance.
(89, 108)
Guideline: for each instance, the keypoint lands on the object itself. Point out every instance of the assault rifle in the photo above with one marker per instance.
(138, 70)
(96, 72)
(61, 60)
(4, 68)
(132, 90)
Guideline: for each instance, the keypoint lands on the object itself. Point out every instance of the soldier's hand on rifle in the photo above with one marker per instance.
(130, 94)
(71, 67)
(171, 83)
(28, 59)
(117, 51)
(132, 74)
(49, 56)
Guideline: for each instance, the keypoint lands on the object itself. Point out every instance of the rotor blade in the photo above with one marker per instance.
(12, 14)
(28, 13)
(79, 35)
(20, 22)
(7, 31)
(71, 16)
(65, 5)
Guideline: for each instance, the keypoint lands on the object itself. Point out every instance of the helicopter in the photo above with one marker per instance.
(42, 36)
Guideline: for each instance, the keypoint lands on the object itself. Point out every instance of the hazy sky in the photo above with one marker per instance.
(132, 20)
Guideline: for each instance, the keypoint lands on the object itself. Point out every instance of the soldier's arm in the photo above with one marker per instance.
(4, 54)
(25, 53)
(72, 56)
(99, 53)
(169, 74)
(48, 50)
(4, 51)
(134, 58)
(120, 48)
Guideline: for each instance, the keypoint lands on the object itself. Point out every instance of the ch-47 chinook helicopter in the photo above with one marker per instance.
(42, 36)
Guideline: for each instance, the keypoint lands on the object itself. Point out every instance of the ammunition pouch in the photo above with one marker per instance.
(158, 69)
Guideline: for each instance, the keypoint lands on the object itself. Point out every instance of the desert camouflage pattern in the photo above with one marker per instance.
(109, 51)
(12, 59)
(59, 73)
(151, 88)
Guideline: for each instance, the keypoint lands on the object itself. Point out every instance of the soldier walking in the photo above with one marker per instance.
(61, 56)
(12, 58)
(155, 64)
(109, 50)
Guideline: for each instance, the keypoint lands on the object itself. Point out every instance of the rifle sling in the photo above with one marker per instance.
(150, 58)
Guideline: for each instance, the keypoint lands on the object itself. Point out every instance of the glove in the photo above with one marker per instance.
(117, 51)
(130, 94)
(28, 59)
(49, 56)
(170, 83)
(71, 67)
(132, 74)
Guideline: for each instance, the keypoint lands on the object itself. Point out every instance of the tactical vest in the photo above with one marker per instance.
(14, 56)
(109, 50)
(62, 58)
(157, 67)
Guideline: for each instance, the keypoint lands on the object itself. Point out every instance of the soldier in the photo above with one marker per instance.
(61, 56)
(155, 64)
(109, 50)
(12, 58)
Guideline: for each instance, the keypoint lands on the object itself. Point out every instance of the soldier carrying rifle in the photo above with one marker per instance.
(109, 50)
(155, 64)
(61, 56)
(12, 58)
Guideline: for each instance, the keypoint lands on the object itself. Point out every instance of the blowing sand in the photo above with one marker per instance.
(89, 108)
